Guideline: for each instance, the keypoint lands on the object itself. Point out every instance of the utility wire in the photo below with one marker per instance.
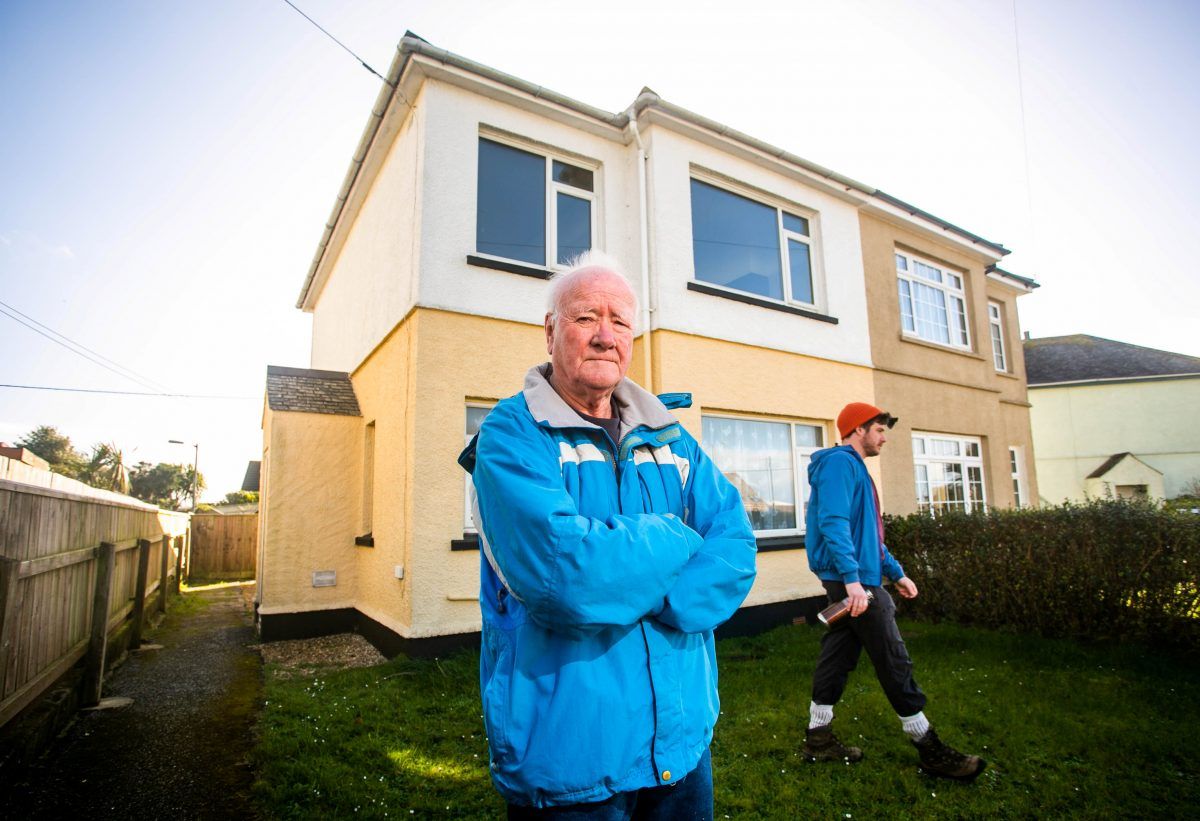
(92, 359)
(132, 393)
(361, 61)
(145, 380)
(1025, 133)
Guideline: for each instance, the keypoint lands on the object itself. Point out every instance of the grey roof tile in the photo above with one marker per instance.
(311, 391)
(1081, 358)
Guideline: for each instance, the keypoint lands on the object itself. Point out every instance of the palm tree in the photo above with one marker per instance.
(107, 469)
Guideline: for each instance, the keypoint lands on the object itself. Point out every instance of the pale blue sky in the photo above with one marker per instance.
(167, 167)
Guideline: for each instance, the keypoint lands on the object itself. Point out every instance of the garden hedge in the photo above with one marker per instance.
(1102, 570)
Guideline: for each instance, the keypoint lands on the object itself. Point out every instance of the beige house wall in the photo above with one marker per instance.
(940, 390)
(1077, 427)
(310, 460)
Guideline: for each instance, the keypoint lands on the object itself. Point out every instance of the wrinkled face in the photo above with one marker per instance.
(873, 438)
(591, 340)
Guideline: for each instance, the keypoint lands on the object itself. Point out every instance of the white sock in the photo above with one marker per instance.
(819, 715)
(915, 725)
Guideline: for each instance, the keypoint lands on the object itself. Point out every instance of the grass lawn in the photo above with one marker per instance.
(1069, 731)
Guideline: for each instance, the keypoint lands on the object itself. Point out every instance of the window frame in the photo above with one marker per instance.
(926, 458)
(552, 189)
(800, 456)
(1016, 466)
(783, 234)
(909, 276)
(996, 331)
(468, 514)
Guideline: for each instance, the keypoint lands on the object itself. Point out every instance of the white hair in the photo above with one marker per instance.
(587, 262)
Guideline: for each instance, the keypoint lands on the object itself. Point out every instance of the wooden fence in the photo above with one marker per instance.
(77, 569)
(223, 547)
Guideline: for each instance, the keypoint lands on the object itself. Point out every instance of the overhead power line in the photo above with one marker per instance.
(361, 61)
(144, 381)
(86, 356)
(132, 393)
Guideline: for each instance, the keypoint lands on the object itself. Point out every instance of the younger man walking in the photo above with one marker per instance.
(846, 552)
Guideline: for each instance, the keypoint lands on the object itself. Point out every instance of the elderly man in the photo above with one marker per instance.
(844, 537)
(611, 547)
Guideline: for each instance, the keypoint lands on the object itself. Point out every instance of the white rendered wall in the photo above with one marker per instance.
(454, 118)
(371, 286)
(839, 247)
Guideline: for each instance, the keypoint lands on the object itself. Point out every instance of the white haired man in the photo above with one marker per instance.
(611, 547)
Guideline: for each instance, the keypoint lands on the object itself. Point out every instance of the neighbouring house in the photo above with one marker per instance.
(772, 289)
(250, 480)
(23, 455)
(1112, 419)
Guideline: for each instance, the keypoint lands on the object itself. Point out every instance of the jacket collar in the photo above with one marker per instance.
(638, 406)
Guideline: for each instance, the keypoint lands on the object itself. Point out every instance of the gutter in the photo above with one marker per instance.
(644, 235)
(1028, 283)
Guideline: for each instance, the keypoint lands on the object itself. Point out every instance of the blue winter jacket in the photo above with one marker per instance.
(604, 569)
(841, 530)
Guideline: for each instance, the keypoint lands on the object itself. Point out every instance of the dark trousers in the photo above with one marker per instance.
(876, 632)
(689, 799)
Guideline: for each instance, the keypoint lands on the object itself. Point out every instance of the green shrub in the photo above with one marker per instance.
(1107, 569)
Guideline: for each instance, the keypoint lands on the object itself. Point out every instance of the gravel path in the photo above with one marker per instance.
(181, 748)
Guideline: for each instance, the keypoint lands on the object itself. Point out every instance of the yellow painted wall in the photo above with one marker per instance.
(1077, 427)
(311, 507)
(730, 378)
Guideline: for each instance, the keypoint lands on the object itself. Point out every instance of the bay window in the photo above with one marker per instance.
(948, 472)
(933, 304)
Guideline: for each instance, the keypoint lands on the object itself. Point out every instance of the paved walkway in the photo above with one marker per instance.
(181, 749)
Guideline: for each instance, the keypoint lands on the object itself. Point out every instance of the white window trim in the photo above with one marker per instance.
(1016, 459)
(950, 292)
(553, 188)
(799, 475)
(996, 321)
(816, 268)
(966, 461)
(468, 515)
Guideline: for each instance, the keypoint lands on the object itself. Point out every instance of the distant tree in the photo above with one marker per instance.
(241, 497)
(164, 484)
(106, 469)
(55, 448)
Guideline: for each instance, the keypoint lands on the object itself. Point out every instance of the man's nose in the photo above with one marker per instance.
(604, 337)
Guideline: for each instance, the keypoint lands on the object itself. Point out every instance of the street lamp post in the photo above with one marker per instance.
(195, 468)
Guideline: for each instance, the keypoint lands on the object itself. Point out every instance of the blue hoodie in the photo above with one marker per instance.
(842, 530)
(605, 566)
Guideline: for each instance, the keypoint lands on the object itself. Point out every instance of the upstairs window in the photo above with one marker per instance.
(996, 325)
(744, 245)
(531, 207)
(933, 304)
(949, 473)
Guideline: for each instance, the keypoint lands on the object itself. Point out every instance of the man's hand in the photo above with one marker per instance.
(858, 599)
(906, 588)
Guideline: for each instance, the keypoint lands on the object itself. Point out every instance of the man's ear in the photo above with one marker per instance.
(549, 323)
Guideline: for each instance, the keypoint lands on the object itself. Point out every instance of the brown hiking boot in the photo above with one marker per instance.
(820, 744)
(940, 759)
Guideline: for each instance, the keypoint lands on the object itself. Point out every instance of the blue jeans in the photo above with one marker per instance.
(689, 799)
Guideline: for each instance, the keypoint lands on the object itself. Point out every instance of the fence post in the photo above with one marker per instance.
(178, 562)
(93, 674)
(139, 595)
(164, 558)
(10, 574)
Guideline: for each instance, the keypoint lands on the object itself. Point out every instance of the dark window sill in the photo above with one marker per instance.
(767, 544)
(749, 299)
(366, 540)
(511, 267)
(469, 541)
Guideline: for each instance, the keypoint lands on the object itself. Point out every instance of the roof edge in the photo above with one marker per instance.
(279, 370)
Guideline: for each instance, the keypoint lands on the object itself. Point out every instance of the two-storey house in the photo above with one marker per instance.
(770, 289)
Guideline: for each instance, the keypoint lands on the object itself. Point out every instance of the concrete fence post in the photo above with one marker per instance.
(93, 672)
(139, 595)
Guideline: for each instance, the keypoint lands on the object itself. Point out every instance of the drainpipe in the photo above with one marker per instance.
(644, 236)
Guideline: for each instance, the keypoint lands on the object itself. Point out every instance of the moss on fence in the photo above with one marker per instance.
(1102, 570)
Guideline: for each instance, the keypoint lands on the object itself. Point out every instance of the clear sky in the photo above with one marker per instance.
(166, 168)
